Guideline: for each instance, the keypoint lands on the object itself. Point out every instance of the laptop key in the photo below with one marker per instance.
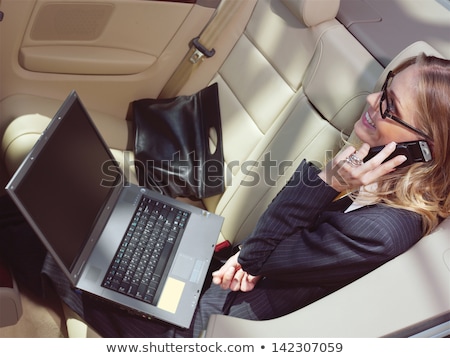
(163, 257)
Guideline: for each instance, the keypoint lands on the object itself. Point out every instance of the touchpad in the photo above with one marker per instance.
(183, 266)
(188, 268)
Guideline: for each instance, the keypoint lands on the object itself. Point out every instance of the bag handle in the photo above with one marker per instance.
(201, 47)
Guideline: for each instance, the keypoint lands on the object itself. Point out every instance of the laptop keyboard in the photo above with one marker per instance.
(139, 263)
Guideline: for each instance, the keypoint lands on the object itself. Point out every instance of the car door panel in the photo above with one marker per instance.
(110, 51)
(99, 38)
(84, 60)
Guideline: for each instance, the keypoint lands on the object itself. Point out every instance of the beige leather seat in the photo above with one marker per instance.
(285, 100)
(408, 296)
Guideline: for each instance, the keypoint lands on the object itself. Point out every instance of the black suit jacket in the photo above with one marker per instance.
(301, 238)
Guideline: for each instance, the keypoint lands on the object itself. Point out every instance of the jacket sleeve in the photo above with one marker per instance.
(297, 240)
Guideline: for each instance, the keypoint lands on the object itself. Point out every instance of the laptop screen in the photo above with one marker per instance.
(68, 181)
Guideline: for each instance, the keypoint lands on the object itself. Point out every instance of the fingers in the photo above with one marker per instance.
(231, 276)
(376, 166)
(231, 262)
(363, 151)
(224, 276)
(235, 283)
(348, 171)
(249, 282)
(229, 279)
(335, 172)
(239, 280)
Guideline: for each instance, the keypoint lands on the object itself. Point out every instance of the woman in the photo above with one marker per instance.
(304, 240)
(308, 244)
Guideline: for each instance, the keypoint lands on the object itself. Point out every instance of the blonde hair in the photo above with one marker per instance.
(425, 187)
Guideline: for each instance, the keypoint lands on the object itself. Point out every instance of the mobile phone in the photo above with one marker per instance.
(415, 152)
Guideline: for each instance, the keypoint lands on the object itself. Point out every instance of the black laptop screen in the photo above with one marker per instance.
(66, 185)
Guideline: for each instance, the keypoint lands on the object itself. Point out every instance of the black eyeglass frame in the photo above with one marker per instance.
(386, 113)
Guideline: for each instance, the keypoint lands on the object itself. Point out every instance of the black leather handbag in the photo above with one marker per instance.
(172, 149)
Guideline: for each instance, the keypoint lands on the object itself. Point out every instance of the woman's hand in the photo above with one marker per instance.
(231, 276)
(343, 174)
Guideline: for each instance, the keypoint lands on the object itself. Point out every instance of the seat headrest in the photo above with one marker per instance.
(313, 12)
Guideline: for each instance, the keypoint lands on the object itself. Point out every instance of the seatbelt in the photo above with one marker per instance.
(201, 47)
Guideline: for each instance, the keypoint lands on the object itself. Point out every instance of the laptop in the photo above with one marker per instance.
(106, 233)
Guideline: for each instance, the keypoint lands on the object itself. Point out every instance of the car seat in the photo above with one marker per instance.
(408, 296)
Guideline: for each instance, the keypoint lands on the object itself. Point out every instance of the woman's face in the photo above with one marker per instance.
(375, 130)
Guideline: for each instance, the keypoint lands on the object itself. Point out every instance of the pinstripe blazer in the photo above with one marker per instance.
(300, 238)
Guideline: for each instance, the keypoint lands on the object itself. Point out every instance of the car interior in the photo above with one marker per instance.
(293, 76)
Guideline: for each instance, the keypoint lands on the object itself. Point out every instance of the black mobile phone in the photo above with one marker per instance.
(415, 152)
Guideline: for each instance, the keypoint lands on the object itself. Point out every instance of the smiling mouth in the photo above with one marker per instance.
(369, 120)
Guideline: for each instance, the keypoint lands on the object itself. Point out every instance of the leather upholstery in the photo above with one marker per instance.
(374, 305)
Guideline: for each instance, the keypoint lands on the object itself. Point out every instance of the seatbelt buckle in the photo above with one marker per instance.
(200, 51)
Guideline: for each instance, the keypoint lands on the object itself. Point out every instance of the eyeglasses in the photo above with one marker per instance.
(387, 112)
